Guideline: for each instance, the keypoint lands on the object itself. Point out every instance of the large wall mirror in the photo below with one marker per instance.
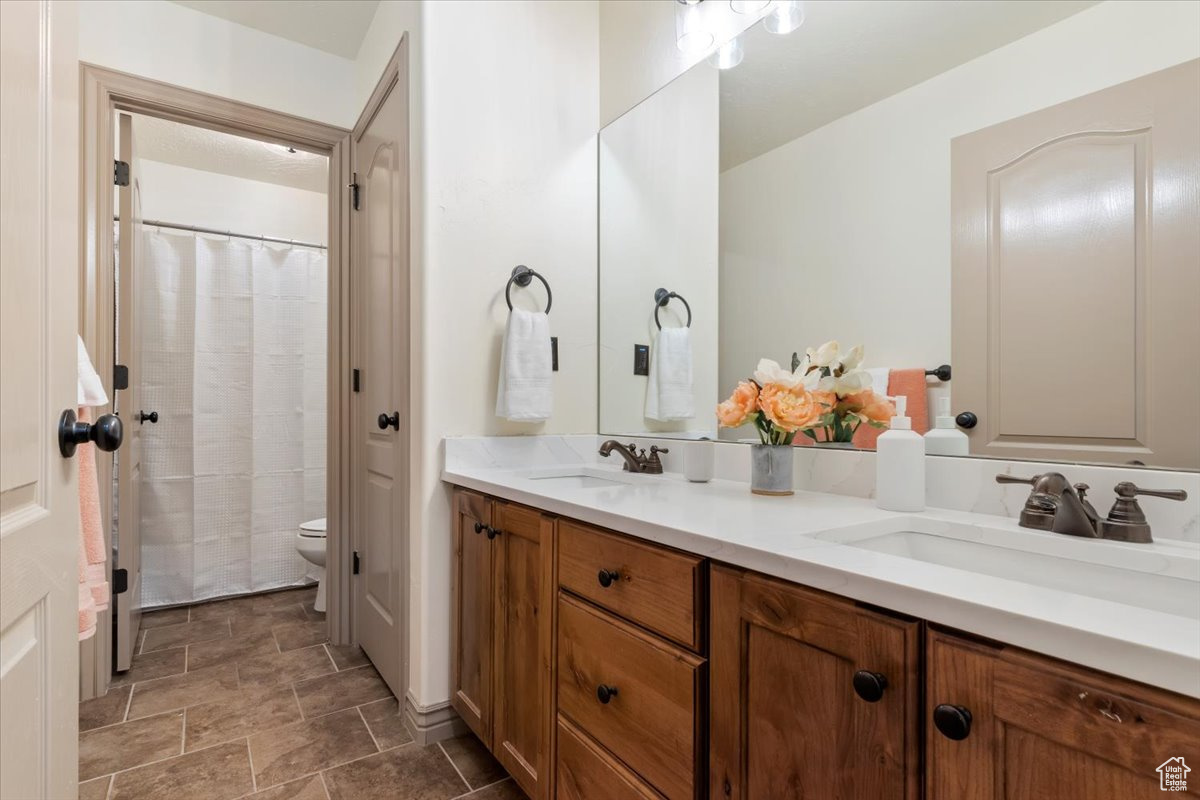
(1010, 189)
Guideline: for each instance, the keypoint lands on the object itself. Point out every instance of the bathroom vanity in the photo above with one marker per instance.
(638, 636)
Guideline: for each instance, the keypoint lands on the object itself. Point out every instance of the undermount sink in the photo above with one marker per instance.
(577, 479)
(1167, 582)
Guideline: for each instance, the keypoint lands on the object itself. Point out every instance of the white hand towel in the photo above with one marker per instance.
(90, 388)
(669, 393)
(526, 391)
(880, 377)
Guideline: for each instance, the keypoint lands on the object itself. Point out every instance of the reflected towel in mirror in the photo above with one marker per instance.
(669, 394)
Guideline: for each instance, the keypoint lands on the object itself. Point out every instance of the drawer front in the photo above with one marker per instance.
(657, 588)
(651, 722)
(587, 772)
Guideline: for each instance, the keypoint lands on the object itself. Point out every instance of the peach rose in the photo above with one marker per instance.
(826, 401)
(870, 407)
(789, 409)
(740, 405)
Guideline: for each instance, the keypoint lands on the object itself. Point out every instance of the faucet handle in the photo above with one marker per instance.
(1127, 490)
(656, 449)
(1126, 522)
(1002, 478)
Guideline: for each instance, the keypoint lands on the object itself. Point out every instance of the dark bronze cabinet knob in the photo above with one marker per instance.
(143, 417)
(608, 577)
(480, 527)
(605, 693)
(107, 433)
(393, 421)
(954, 722)
(967, 419)
(869, 685)
(493, 532)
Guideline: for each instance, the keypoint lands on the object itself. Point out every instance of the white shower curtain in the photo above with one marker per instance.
(233, 360)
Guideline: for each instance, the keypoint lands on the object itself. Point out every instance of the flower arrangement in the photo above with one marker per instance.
(826, 397)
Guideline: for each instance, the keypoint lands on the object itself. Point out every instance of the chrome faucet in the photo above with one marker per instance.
(1057, 506)
(635, 460)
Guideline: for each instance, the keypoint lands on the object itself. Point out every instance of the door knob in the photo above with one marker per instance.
(869, 685)
(608, 577)
(106, 432)
(967, 419)
(605, 693)
(393, 420)
(143, 417)
(954, 722)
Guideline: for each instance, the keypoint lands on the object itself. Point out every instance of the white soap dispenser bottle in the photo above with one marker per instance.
(900, 464)
(945, 439)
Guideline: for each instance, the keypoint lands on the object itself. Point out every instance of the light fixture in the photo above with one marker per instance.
(748, 6)
(728, 55)
(787, 16)
(691, 35)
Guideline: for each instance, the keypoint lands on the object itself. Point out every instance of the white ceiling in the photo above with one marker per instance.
(199, 148)
(335, 26)
(848, 55)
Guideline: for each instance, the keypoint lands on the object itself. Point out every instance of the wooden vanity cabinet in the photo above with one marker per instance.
(1004, 724)
(812, 696)
(504, 634)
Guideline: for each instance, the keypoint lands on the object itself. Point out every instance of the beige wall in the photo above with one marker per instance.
(855, 216)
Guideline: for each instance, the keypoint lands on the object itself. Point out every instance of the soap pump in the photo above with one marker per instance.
(945, 439)
(900, 464)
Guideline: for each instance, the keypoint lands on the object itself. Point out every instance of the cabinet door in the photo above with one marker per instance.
(787, 718)
(472, 616)
(1042, 729)
(522, 725)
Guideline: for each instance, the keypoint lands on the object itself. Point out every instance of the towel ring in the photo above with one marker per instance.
(523, 276)
(662, 297)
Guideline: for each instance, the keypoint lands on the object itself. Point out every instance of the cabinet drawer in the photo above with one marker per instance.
(587, 772)
(652, 721)
(657, 588)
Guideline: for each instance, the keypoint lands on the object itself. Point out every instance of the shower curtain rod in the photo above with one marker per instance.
(198, 229)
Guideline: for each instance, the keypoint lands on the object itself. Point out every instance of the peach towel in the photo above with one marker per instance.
(911, 384)
(93, 578)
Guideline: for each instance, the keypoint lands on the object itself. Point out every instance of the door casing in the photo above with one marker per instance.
(103, 94)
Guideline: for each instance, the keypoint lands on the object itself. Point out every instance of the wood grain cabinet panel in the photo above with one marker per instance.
(787, 720)
(472, 613)
(651, 718)
(657, 588)
(587, 771)
(1039, 728)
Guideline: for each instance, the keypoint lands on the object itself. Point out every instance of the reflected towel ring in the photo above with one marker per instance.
(662, 297)
(523, 276)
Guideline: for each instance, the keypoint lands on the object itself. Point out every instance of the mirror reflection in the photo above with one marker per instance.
(989, 209)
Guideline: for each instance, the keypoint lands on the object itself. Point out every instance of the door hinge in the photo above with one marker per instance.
(355, 567)
(120, 377)
(353, 186)
(355, 377)
(121, 173)
(120, 581)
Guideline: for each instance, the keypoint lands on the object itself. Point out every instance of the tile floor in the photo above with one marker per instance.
(245, 698)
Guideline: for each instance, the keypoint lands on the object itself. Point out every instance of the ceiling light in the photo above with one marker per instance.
(691, 35)
(787, 16)
(728, 55)
(748, 6)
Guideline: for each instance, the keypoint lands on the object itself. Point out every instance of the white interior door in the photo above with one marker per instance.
(380, 344)
(128, 604)
(39, 318)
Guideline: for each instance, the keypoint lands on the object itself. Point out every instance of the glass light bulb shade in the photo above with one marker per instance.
(728, 55)
(787, 16)
(748, 6)
(691, 34)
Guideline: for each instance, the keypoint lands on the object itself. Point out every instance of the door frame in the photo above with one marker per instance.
(104, 93)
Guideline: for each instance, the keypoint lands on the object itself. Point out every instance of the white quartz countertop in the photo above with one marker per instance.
(789, 538)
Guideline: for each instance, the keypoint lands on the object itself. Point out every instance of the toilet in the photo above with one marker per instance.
(310, 544)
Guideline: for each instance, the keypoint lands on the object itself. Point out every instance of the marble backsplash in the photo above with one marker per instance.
(963, 484)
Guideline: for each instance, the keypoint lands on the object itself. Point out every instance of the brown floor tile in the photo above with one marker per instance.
(386, 724)
(294, 665)
(412, 772)
(310, 788)
(222, 651)
(262, 620)
(347, 656)
(178, 691)
(248, 712)
(221, 609)
(505, 790)
(473, 760)
(218, 773)
(311, 614)
(300, 634)
(106, 710)
(147, 666)
(185, 633)
(328, 693)
(95, 789)
(165, 616)
(282, 754)
(286, 597)
(107, 750)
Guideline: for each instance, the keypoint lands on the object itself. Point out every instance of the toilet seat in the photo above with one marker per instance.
(313, 529)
